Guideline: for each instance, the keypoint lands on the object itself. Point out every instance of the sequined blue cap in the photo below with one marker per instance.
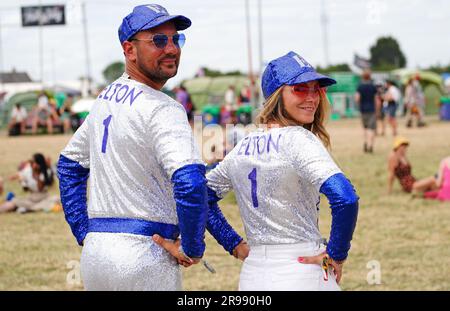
(149, 16)
(290, 69)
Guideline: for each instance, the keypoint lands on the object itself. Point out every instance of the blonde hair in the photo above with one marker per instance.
(274, 111)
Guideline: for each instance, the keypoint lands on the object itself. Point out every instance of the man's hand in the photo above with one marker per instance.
(174, 249)
(318, 260)
(241, 250)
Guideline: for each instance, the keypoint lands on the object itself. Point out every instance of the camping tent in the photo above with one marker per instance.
(26, 99)
(426, 77)
(431, 82)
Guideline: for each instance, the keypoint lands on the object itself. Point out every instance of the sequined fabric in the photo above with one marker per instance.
(133, 141)
(118, 261)
(148, 138)
(192, 208)
(73, 188)
(290, 69)
(276, 176)
(219, 227)
(344, 211)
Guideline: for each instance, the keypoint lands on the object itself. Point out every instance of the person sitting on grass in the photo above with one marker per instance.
(400, 168)
(443, 183)
(65, 113)
(42, 115)
(18, 119)
(35, 177)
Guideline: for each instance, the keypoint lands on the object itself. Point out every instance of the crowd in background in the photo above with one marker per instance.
(378, 102)
(379, 106)
(46, 114)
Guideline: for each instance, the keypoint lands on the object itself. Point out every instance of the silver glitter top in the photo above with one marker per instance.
(132, 141)
(276, 176)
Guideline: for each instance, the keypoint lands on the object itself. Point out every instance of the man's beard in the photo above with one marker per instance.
(158, 74)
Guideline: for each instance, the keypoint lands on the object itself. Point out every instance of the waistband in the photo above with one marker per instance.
(292, 251)
(134, 226)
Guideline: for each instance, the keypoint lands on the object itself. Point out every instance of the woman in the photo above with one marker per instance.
(400, 168)
(35, 177)
(442, 183)
(278, 175)
(392, 98)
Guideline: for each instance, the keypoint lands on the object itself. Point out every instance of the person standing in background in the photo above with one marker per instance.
(366, 97)
(414, 101)
(230, 98)
(392, 99)
(184, 98)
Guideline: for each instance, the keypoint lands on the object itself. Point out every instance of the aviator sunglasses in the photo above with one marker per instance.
(161, 40)
(304, 90)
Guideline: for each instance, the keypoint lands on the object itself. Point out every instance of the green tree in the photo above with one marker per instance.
(113, 71)
(217, 73)
(386, 54)
(333, 68)
(438, 68)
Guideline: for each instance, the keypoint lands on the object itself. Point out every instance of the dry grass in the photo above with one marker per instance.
(409, 237)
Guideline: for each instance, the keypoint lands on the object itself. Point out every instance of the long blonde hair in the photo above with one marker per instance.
(274, 111)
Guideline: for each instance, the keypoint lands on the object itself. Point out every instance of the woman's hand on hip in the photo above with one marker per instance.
(324, 258)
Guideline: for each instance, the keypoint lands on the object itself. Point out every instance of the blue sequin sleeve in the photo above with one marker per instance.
(218, 226)
(344, 210)
(189, 187)
(73, 187)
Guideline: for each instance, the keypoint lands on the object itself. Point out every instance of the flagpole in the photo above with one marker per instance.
(325, 33)
(261, 61)
(1, 57)
(41, 47)
(249, 51)
(86, 49)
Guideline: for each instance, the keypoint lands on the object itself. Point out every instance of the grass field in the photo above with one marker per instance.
(409, 238)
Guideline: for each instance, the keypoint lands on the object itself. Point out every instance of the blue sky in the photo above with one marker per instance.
(217, 38)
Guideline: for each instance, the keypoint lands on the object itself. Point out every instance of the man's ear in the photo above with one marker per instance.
(129, 50)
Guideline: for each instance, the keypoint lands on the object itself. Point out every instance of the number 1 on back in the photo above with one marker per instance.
(105, 133)
(252, 177)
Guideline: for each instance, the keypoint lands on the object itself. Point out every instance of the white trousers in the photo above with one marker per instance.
(276, 268)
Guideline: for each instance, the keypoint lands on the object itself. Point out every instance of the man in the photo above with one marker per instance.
(366, 99)
(146, 175)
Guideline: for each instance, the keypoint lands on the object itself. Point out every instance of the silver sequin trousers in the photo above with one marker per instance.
(127, 262)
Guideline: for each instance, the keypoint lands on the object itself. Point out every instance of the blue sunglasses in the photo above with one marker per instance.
(161, 40)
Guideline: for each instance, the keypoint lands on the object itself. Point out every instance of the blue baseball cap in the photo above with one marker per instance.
(149, 16)
(290, 69)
